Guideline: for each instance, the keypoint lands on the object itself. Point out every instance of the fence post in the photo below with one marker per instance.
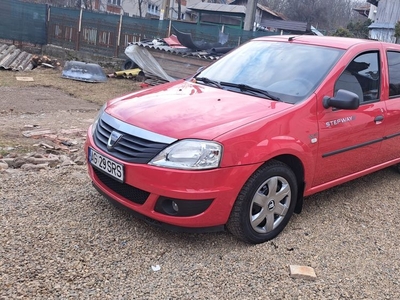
(48, 14)
(79, 30)
(118, 36)
(169, 28)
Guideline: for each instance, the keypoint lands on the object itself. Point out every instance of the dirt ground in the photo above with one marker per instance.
(50, 104)
(60, 239)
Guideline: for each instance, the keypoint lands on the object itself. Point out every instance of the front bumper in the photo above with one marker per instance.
(147, 188)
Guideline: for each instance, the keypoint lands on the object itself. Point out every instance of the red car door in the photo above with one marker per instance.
(349, 141)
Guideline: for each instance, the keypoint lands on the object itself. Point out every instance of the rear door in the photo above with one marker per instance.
(350, 140)
(391, 143)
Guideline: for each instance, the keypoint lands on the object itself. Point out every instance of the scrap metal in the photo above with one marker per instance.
(82, 71)
(12, 58)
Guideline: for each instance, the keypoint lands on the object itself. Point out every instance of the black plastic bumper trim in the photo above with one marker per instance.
(159, 224)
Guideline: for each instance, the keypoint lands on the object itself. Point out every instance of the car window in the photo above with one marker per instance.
(394, 73)
(288, 71)
(361, 77)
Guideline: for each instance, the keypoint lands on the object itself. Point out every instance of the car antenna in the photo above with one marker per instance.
(291, 38)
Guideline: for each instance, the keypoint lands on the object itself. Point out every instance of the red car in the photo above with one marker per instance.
(241, 143)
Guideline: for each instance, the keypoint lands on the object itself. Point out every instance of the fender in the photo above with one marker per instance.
(294, 133)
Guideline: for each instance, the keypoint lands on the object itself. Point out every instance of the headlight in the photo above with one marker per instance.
(189, 155)
(96, 120)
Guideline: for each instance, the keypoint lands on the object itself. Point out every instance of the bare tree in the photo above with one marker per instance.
(277, 5)
(179, 8)
(66, 3)
(325, 14)
(85, 4)
(140, 3)
(311, 11)
(137, 4)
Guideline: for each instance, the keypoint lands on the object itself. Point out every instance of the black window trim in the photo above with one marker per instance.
(388, 74)
(378, 51)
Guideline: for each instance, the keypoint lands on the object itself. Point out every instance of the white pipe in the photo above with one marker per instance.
(80, 20)
(119, 30)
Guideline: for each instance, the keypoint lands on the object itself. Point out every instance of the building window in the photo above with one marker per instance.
(115, 2)
(153, 9)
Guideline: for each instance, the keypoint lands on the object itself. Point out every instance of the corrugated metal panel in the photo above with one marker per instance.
(12, 58)
(388, 11)
(271, 12)
(287, 25)
(178, 63)
(380, 25)
(203, 6)
(384, 35)
(388, 14)
(183, 52)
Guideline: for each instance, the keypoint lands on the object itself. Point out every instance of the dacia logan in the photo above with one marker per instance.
(240, 144)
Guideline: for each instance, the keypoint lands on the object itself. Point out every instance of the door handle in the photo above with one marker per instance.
(378, 119)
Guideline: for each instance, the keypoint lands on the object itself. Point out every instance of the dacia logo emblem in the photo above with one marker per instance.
(114, 138)
(271, 205)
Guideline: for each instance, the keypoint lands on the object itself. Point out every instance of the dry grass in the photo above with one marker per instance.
(93, 92)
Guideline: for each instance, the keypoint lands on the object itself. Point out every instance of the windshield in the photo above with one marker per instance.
(288, 72)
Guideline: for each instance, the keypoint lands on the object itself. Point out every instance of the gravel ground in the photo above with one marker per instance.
(61, 240)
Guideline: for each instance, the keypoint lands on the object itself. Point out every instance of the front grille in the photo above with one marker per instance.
(130, 148)
(125, 190)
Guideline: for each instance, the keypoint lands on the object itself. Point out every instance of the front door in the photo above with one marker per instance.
(350, 140)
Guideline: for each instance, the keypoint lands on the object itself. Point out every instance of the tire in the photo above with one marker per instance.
(129, 64)
(398, 167)
(260, 214)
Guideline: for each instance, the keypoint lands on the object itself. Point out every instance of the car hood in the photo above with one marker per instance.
(189, 110)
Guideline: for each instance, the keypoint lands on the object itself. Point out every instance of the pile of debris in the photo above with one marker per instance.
(12, 58)
(54, 149)
(38, 161)
(44, 61)
(178, 56)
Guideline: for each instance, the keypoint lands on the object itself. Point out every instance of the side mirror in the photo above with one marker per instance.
(343, 100)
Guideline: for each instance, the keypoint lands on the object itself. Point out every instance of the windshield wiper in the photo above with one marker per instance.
(249, 88)
(209, 81)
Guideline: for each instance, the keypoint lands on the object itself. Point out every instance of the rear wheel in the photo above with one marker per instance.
(265, 204)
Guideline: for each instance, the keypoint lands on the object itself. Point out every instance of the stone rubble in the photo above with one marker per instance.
(53, 150)
(37, 161)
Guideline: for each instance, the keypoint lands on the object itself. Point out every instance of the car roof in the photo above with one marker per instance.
(327, 41)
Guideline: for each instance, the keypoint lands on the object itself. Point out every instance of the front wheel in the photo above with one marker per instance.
(265, 204)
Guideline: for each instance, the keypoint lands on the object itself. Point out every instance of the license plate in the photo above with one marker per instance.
(106, 165)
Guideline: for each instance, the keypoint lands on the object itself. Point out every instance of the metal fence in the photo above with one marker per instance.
(98, 33)
(23, 22)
